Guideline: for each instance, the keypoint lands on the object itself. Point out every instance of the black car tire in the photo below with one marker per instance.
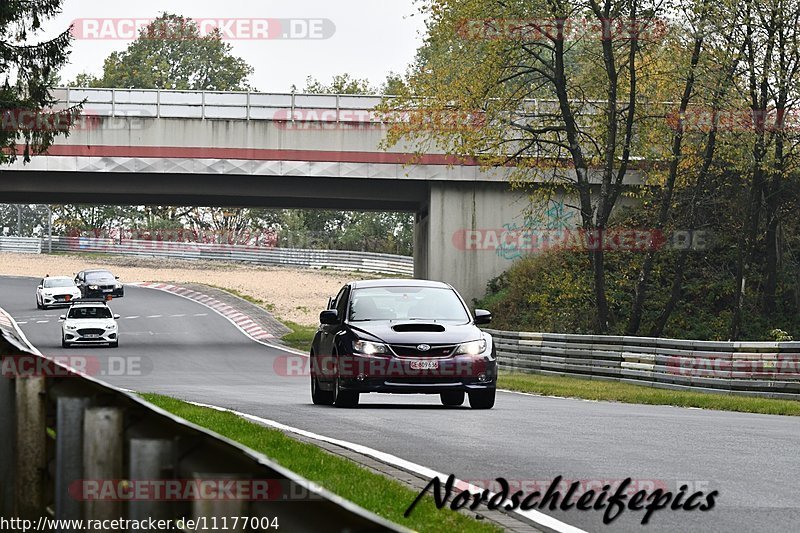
(483, 399)
(64, 344)
(319, 396)
(38, 305)
(452, 399)
(114, 344)
(344, 398)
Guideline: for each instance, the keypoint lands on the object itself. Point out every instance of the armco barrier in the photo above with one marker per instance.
(57, 427)
(260, 255)
(766, 369)
(23, 245)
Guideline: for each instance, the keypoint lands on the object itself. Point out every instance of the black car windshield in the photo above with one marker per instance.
(406, 303)
(53, 283)
(99, 276)
(90, 312)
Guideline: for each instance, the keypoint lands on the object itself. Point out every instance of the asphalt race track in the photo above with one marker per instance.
(177, 347)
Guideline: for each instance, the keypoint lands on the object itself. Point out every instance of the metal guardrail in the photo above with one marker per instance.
(767, 369)
(60, 430)
(320, 259)
(22, 245)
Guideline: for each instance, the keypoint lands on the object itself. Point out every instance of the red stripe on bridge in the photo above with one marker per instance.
(257, 154)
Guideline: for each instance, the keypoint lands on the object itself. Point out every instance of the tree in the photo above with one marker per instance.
(474, 62)
(28, 72)
(340, 84)
(170, 53)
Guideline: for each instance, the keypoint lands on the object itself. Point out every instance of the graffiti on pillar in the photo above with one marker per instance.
(552, 215)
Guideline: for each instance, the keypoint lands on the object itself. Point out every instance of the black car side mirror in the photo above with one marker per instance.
(329, 316)
(482, 316)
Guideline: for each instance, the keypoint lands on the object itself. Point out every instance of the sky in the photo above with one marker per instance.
(365, 38)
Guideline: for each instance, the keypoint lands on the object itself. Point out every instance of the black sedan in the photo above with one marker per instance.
(99, 284)
(402, 336)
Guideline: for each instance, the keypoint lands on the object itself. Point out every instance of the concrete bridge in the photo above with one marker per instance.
(283, 151)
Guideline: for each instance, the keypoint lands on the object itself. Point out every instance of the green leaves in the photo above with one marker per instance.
(170, 53)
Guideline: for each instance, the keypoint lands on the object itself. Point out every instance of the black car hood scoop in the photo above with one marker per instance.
(414, 326)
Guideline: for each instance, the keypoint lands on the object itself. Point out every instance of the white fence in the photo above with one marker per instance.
(321, 259)
(21, 245)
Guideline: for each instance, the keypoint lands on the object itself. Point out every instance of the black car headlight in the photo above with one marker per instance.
(471, 348)
(370, 348)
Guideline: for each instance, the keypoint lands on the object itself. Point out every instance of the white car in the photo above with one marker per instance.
(89, 322)
(56, 290)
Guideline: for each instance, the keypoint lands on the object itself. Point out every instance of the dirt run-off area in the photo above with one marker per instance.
(290, 293)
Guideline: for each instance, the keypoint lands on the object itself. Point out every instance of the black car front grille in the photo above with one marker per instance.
(412, 350)
(91, 331)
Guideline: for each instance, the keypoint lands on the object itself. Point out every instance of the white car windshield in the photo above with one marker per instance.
(55, 283)
(89, 312)
(406, 303)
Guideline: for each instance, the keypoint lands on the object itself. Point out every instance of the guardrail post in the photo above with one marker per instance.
(31, 456)
(202, 104)
(8, 434)
(205, 510)
(247, 113)
(149, 459)
(102, 457)
(158, 103)
(69, 455)
(113, 102)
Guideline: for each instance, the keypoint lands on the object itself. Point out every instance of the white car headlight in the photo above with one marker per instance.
(471, 348)
(111, 326)
(369, 348)
(71, 327)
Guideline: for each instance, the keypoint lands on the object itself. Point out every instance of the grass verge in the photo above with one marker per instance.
(374, 492)
(628, 393)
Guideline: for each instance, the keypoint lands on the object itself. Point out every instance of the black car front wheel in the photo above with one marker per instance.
(319, 396)
(452, 399)
(343, 398)
(483, 399)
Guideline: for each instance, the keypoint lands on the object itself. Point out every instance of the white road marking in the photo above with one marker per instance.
(176, 316)
(534, 516)
(154, 316)
(129, 317)
(42, 321)
(21, 322)
(197, 314)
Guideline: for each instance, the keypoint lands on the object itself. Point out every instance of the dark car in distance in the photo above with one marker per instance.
(402, 336)
(99, 283)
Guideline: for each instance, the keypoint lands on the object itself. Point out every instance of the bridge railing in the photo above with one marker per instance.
(222, 104)
(767, 369)
(288, 107)
(74, 448)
